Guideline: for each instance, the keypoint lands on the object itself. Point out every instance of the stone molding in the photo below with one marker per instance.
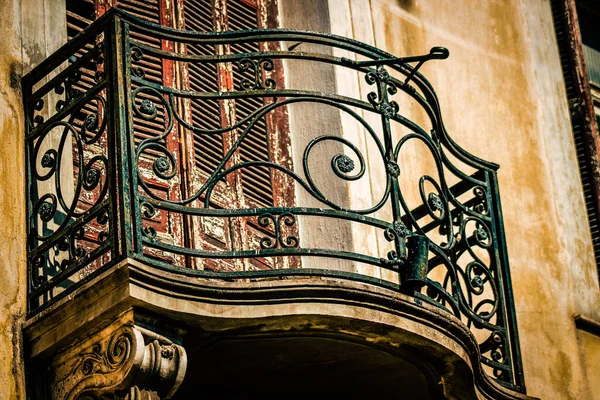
(118, 362)
(333, 306)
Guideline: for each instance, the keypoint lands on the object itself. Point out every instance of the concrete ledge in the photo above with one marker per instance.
(352, 311)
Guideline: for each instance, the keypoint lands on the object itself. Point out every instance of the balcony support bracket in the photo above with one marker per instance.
(121, 361)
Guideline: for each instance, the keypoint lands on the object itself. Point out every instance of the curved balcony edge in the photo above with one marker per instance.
(137, 294)
(131, 193)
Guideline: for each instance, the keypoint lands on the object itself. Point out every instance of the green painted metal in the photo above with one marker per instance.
(449, 250)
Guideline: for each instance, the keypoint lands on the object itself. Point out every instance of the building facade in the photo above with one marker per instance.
(257, 198)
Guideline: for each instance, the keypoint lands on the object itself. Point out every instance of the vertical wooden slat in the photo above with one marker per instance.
(80, 13)
(257, 184)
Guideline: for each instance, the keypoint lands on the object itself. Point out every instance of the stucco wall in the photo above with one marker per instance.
(503, 99)
(31, 30)
(12, 215)
(505, 102)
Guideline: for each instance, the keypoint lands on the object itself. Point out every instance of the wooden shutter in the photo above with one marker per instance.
(80, 13)
(208, 149)
(256, 182)
(148, 10)
(578, 96)
(255, 185)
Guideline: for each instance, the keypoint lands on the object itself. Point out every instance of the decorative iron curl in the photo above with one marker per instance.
(220, 171)
(164, 166)
(256, 67)
(472, 279)
(136, 55)
(148, 211)
(385, 86)
(341, 164)
(436, 203)
(103, 219)
(148, 111)
(289, 220)
(481, 205)
(46, 209)
(94, 123)
(399, 230)
(89, 177)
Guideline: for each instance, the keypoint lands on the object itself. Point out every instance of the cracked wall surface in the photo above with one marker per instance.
(12, 212)
(502, 98)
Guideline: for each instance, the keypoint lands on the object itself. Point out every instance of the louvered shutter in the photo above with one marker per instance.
(580, 124)
(257, 186)
(208, 149)
(256, 182)
(80, 13)
(152, 66)
(208, 233)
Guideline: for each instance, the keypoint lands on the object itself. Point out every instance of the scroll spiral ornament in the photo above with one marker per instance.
(137, 54)
(468, 287)
(59, 205)
(340, 163)
(385, 86)
(91, 173)
(118, 360)
(283, 241)
(164, 163)
(256, 68)
(148, 211)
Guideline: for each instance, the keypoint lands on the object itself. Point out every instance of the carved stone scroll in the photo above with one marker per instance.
(125, 362)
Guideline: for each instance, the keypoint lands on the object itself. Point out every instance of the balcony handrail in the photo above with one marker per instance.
(113, 201)
(400, 64)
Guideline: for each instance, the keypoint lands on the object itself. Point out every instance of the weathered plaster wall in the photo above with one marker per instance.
(31, 30)
(503, 99)
(12, 215)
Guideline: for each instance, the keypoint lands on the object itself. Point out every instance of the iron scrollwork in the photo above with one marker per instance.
(449, 220)
(256, 68)
(287, 219)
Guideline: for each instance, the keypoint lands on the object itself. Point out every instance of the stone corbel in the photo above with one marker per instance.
(126, 362)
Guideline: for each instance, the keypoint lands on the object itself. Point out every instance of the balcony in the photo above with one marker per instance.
(118, 212)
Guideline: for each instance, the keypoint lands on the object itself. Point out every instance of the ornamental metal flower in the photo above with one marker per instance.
(344, 163)
(147, 107)
(435, 202)
(393, 169)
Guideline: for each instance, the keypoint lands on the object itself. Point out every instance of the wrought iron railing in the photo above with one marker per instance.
(92, 203)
